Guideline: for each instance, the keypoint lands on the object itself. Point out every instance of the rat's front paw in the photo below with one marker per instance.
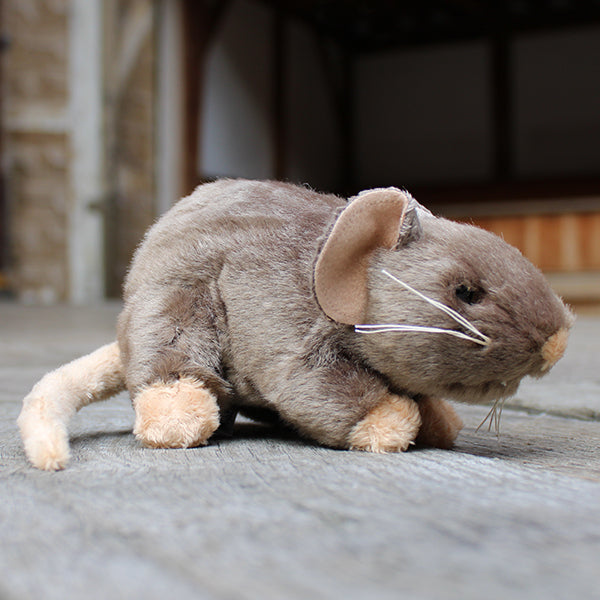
(441, 425)
(181, 414)
(390, 427)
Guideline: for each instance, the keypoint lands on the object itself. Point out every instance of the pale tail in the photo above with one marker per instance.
(52, 402)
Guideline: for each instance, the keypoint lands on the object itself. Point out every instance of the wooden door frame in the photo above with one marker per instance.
(200, 22)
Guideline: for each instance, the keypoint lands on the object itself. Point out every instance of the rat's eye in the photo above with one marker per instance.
(468, 294)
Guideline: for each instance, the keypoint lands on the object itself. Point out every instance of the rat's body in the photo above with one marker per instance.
(225, 309)
(228, 299)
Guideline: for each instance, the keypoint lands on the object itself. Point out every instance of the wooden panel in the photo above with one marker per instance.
(570, 254)
(589, 239)
(565, 243)
(512, 229)
(532, 247)
(550, 243)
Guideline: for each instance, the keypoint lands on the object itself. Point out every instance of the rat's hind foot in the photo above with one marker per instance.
(441, 425)
(390, 427)
(180, 414)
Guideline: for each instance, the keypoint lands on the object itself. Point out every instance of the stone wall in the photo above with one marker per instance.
(37, 140)
(36, 148)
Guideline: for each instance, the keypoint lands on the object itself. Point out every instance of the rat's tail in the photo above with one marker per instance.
(58, 396)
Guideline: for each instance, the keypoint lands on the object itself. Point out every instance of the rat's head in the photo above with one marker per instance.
(440, 308)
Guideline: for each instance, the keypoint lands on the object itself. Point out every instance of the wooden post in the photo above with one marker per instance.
(112, 228)
(86, 235)
(193, 21)
(3, 207)
(169, 150)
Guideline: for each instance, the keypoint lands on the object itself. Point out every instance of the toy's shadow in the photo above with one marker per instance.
(246, 429)
(83, 438)
(482, 444)
(243, 429)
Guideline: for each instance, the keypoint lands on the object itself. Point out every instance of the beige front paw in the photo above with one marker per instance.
(180, 414)
(390, 427)
(441, 425)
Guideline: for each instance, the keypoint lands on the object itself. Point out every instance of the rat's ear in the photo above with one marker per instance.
(381, 218)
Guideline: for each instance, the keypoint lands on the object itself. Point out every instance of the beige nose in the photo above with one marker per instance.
(554, 348)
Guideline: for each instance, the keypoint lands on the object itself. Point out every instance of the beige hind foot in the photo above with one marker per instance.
(180, 414)
(390, 427)
(441, 425)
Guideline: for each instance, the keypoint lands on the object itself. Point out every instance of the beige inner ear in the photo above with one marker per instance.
(371, 221)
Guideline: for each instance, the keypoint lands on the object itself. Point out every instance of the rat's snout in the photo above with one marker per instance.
(554, 348)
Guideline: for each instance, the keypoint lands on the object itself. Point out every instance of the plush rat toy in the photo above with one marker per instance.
(349, 321)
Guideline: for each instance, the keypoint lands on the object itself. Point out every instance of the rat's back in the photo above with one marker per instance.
(229, 221)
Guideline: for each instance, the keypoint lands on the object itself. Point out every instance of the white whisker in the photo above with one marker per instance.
(393, 327)
(449, 311)
(481, 339)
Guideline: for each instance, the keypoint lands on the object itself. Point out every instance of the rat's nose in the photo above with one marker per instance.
(554, 348)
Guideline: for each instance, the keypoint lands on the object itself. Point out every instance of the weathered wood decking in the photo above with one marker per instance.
(266, 515)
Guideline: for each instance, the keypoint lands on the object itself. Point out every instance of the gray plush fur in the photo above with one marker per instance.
(222, 290)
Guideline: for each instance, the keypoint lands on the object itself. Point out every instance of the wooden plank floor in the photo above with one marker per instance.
(267, 515)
